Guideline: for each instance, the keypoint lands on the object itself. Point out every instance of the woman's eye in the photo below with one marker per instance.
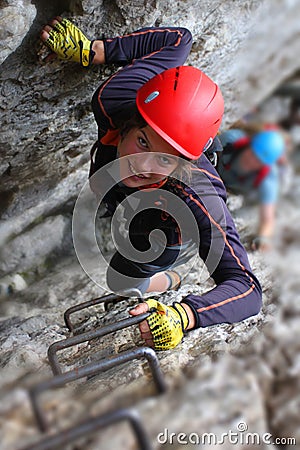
(164, 160)
(142, 142)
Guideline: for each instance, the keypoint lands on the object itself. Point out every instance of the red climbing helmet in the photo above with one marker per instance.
(184, 106)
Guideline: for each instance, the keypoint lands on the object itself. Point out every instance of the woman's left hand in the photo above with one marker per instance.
(143, 326)
(164, 328)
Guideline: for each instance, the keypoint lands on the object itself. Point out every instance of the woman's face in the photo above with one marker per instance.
(149, 160)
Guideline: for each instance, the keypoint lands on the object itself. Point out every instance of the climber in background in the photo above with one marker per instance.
(155, 119)
(254, 163)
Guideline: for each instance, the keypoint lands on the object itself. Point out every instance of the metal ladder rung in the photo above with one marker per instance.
(91, 425)
(105, 299)
(89, 335)
(91, 370)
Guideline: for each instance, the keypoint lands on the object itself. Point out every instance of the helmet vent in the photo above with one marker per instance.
(176, 78)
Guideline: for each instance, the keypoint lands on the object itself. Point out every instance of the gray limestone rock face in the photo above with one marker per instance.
(218, 377)
(47, 123)
(19, 254)
(16, 17)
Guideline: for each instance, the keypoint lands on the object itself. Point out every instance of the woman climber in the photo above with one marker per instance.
(155, 118)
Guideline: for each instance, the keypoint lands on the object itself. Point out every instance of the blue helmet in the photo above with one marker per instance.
(268, 146)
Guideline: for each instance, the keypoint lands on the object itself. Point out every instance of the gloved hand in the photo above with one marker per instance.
(167, 324)
(69, 43)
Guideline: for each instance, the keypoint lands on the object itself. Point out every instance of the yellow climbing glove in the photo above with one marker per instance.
(70, 44)
(167, 324)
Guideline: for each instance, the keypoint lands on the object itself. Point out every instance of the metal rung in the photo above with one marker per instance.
(96, 301)
(87, 336)
(91, 425)
(93, 369)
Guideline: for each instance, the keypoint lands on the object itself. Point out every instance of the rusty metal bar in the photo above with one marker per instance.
(93, 424)
(94, 369)
(109, 298)
(96, 301)
(87, 336)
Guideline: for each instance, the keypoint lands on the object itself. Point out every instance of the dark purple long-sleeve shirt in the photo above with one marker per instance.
(237, 294)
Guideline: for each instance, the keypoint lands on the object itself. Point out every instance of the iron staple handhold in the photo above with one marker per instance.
(93, 369)
(91, 425)
(89, 335)
(96, 301)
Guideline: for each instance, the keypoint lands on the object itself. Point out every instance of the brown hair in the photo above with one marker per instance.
(129, 120)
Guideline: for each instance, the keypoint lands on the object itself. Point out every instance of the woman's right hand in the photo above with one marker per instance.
(67, 42)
